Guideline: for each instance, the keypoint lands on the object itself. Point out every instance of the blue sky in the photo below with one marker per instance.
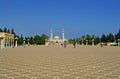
(77, 17)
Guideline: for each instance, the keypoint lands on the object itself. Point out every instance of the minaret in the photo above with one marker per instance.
(63, 35)
(51, 34)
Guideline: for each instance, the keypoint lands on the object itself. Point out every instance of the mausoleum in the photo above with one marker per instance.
(56, 39)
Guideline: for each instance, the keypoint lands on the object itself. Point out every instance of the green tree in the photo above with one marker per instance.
(118, 34)
(110, 37)
(89, 38)
(43, 37)
(13, 32)
(37, 39)
(97, 40)
(20, 40)
(8, 30)
(5, 29)
(1, 30)
(31, 40)
(104, 38)
(83, 39)
(70, 41)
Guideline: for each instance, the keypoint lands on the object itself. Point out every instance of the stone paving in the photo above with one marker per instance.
(54, 62)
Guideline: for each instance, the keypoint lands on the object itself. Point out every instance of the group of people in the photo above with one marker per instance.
(74, 44)
(64, 44)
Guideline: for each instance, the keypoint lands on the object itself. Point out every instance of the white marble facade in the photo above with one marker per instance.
(56, 39)
(6, 40)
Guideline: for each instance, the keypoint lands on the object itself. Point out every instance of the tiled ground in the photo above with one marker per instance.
(54, 62)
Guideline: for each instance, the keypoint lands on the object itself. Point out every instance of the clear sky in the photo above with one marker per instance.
(77, 17)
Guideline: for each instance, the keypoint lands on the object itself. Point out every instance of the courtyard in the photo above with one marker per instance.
(55, 62)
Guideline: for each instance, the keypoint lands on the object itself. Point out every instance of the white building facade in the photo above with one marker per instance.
(6, 40)
(56, 39)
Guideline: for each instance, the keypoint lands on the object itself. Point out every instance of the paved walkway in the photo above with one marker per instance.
(54, 62)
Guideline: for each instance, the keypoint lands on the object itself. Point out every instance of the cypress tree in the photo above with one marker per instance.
(1, 30)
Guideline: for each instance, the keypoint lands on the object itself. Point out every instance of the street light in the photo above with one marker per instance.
(82, 40)
(28, 41)
(93, 42)
(86, 42)
(24, 40)
(118, 42)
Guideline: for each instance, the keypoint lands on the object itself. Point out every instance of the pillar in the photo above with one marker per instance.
(28, 42)
(86, 42)
(82, 41)
(16, 41)
(24, 43)
(1, 42)
(11, 44)
(24, 40)
(9, 41)
(2, 46)
(51, 34)
(118, 42)
(63, 35)
(93, 42)
(6, 43)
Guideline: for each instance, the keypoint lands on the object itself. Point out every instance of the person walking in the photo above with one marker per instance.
(74, 44)
(65, 44)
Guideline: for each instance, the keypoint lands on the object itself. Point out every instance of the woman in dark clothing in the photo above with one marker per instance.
(74, 44)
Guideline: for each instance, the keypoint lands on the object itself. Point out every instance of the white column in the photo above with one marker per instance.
(15, 43)
(118, 42)
(9, 43)
(86, 42)
(63, 35)
(2, 44)
(93, 42)
(16, 38)
(82, 41)
(51, 34)
(28, 42)
(24, 41)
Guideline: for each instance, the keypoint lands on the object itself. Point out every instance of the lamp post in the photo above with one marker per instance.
(86, 42)
(16, 38)
(114, 40)
(28, 42)
(118, 42)
(82, 41)
(93, 42)
(24, 42)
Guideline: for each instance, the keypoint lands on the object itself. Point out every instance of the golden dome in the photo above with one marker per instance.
(56, 38)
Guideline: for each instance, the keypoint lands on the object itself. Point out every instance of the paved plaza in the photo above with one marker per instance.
(55, 62)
